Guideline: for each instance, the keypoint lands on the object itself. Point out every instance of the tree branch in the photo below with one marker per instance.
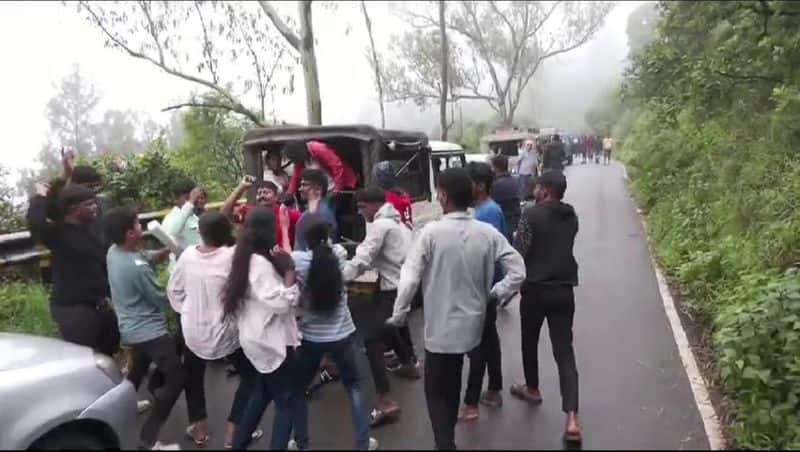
(206, 44)
(235, 105)
(283, 29)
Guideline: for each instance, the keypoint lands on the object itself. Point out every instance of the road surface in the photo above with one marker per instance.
(634, 392)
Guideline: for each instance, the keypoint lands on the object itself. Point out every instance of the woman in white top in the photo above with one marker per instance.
(195, 293)
(261, 295)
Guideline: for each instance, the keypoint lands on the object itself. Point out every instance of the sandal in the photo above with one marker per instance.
(521, 392)
(380, 417)
(465, 415)
(190, 430)
(255, 436)
(573, 437)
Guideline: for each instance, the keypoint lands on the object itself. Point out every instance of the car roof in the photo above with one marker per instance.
(262, 136)
(445, 147)
(510, 136)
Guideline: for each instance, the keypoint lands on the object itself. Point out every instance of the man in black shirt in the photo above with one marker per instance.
(554, 155)
(505, 192)
(79, 296)
(545, 238)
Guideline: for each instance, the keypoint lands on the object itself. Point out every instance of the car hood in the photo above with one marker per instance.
(21, 350)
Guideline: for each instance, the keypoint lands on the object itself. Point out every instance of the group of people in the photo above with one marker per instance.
(596, 148)
(264, 287)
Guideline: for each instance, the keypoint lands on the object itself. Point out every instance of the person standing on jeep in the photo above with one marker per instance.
(318, 155)
(554, 155)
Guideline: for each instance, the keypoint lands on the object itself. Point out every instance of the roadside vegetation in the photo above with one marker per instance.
(707, 123)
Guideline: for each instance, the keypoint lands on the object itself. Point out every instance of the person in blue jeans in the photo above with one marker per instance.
(327, 328)
(486, 356)
(261, 295)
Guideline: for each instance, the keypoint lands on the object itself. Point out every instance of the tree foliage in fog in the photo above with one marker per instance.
(69, 112)
(228, 32)
(641, 28)
(10, 216)
(498, 46)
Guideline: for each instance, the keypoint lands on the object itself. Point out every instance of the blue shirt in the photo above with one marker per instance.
(490, 212)
(326, 212)
(329, 327)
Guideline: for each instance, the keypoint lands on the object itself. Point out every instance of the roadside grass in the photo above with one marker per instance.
(25, 308)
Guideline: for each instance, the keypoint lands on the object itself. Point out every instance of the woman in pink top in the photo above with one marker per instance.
(195, 292)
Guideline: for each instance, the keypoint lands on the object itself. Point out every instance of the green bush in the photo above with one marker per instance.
(24, 308)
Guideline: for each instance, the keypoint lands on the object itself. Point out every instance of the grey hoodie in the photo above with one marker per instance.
(384, 249)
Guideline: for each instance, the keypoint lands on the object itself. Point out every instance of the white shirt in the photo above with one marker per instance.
(183, 225)
(195, 291)
(527, 161)
(384, 249)
(454, 258)
(266, 320)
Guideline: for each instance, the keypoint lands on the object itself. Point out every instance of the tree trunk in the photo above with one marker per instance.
(309, 61)
(445, 84)
(375, 63)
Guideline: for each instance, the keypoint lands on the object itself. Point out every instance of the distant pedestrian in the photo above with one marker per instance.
(454, 260)
(545, 239)
(608, 146)
(527, 168)
(554, 155)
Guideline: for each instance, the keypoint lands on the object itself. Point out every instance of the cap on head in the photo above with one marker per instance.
(72, 195)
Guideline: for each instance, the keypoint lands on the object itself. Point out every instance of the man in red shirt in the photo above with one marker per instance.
(316, 154)
(266, 196)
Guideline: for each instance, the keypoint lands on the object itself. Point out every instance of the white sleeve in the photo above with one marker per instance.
(176, 292)
(411, 276)
(366, 253)
(267, 287)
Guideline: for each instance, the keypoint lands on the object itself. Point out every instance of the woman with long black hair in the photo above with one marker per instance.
(327, 328)
(261, 294)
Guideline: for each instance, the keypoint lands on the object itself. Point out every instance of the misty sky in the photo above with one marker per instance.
(40, 41)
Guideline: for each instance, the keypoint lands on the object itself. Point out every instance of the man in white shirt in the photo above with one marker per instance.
(526, 168)
(383, 250)
(181, 221)
(454, 258)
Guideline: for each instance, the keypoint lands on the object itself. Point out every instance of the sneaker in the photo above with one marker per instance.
(143, 405)
(373, 444)
(161, 446)
(292, 445)
(392, 364)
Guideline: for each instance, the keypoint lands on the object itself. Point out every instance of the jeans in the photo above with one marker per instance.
(557, 305)
(275, 386)
(442, 394)
(343, 353)
(161, 351)
(91, 325)
(195, 385)
(524, 181)
(485, 356)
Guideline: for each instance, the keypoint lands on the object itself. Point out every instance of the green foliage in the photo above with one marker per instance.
(25, 309)
(212, 149)
(710, 135)
(144, 180)
(11, 216)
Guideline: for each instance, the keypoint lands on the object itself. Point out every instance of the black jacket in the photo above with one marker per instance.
(545, 238)
(78, 256)
(554, 156)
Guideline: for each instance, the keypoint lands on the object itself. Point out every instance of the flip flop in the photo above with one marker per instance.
(573, 437)
(467, 417)
(197, 442)
(520, 392)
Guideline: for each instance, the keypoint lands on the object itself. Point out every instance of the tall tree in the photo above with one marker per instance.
(116, 133)
(374, 60)
(444, 63)
(509, 41)
(228, 32)
(11, 218)
(641, 28)
(69, 113)
(303, 43)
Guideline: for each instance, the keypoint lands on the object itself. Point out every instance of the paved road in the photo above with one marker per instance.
(634, 392)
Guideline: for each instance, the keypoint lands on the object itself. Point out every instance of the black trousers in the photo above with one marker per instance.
(195, 368)
(91, 325)
(557, 306)
(378, 337)
(485, 356)
(162, 352)
(442, 394)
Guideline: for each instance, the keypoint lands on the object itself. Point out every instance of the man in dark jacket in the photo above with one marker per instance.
(554, 155)
(545, 239)
(79, 297)
(505, 193)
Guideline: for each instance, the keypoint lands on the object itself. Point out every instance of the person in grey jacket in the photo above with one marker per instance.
(454, 260)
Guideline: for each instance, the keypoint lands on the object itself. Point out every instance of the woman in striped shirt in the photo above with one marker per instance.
(327, 327)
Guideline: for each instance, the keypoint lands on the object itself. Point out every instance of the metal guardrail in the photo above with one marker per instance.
(18, 248)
